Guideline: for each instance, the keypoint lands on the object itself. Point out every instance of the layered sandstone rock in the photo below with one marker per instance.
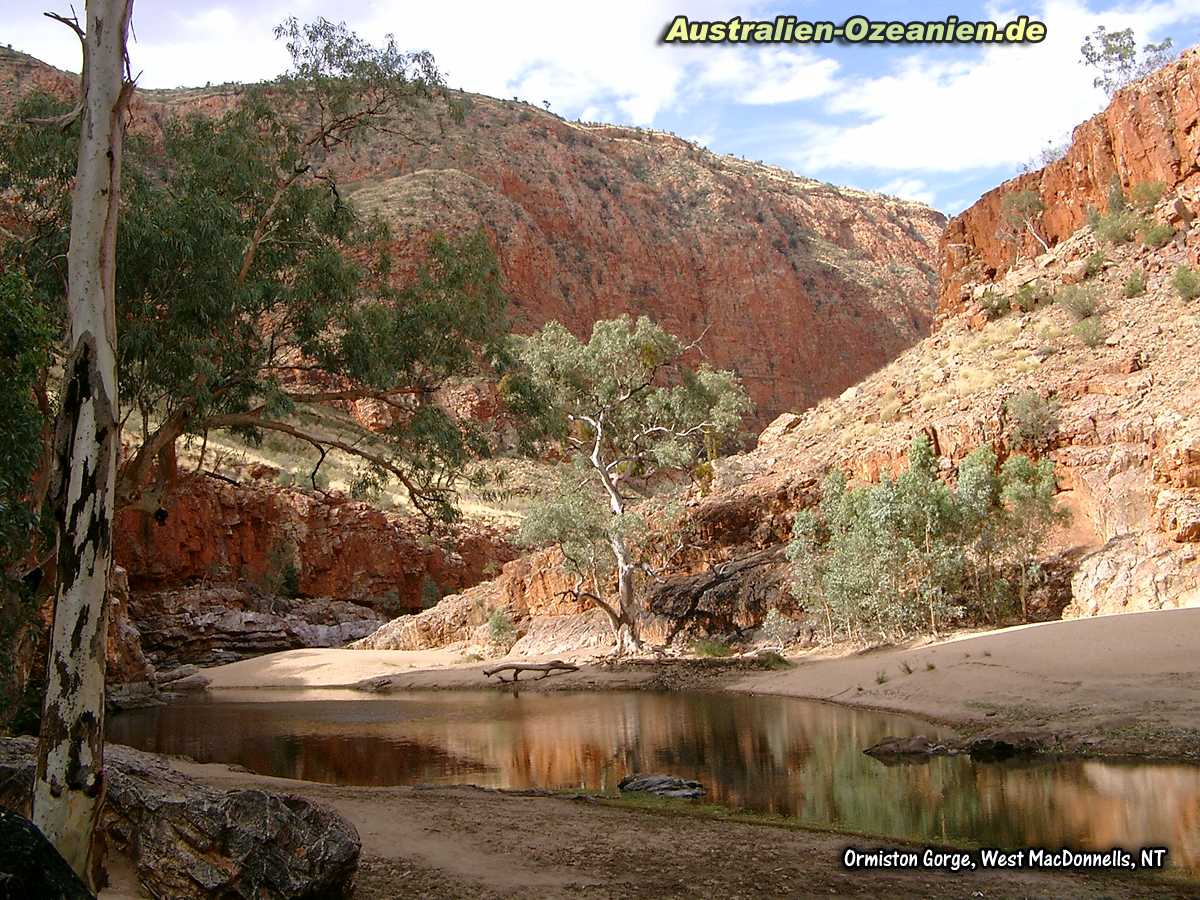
(209, 531)
(1149, 132)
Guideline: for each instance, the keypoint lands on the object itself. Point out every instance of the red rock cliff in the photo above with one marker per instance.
(1149, 132)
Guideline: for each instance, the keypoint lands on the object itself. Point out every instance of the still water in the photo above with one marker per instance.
(772, 754)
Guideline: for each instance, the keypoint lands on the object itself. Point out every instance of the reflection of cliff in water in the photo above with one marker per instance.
(765, 753)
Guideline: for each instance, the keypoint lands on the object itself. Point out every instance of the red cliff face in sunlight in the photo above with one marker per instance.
(1149, 132)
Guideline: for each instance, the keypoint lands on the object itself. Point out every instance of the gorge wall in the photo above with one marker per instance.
(1150, 131)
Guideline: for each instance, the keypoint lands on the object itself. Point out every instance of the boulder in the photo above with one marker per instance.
(188, 840)
(30, 867)
(663, 786)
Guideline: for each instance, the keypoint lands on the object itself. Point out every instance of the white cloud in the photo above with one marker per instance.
(908, 189)
(998, 109)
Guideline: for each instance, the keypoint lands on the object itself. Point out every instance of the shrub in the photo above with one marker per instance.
(911, 554)
(501, 631)
(1090, 331)
(1034, 420)
(710, 647)
(1135, 284)
(777, 628)
(1030, 295)
(1146, 194)
(1095, 264)
(1118, 227)
(1080, 302)
(1187, 282)
(1157, 234)
(994, 304)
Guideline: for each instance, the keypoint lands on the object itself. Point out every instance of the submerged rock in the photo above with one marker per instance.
(663, 786)
(31, 867)
(188, 840)
(893, 750)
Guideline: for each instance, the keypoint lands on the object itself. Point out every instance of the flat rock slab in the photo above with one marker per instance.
(662, 786)
(188, 840)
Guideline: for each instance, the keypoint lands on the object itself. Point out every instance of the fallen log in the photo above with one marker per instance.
(546, 669)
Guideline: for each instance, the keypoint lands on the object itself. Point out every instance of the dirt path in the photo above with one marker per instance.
(461, 842)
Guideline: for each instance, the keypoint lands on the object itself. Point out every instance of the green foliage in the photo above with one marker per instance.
(627, 409)
(25, 339)
(1115, 54)
(1019, 211)
(1186, 282)
(1091, 331)
(1135, 284)
(709, 647)
(914, 554)
(283, 575)
(777, 628)
(1095, 264)
(241, 265)
(1030, 295)
(1033, 420)
(995, 305)
(1119, 226)
(1079, 301)
(501, 631)
(1146, 194)
(1157, 234)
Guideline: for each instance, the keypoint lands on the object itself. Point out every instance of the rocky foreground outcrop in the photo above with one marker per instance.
(801, 286)
(187, 840)
(1149, 132)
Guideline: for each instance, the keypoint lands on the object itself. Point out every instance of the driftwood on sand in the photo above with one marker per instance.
(546, 669)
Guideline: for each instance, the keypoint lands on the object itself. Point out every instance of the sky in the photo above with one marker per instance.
(939, 124)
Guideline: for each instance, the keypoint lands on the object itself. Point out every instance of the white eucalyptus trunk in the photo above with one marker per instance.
(69, 787)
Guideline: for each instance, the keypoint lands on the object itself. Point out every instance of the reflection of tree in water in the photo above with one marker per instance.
(765, 753)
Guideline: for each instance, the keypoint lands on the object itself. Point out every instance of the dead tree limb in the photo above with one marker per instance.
(546, 669)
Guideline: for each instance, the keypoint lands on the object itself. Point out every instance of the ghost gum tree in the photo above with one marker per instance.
(251, 292)
(69, 785)
(629, 409)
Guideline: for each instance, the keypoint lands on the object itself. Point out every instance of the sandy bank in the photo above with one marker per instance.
(1111, 684)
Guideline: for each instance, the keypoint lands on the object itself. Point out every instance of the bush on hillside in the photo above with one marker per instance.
(1146, 194)
(1186, 282)
(1091, 331)
(1135, 284)
(1033, 421)
(1079, 301)
(1157, 234)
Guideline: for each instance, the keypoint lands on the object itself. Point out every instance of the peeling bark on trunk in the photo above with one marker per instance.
(69, 788)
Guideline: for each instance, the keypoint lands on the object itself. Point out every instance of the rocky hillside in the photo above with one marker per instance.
(1126, 447)
(802, 287)
(1149, 132)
